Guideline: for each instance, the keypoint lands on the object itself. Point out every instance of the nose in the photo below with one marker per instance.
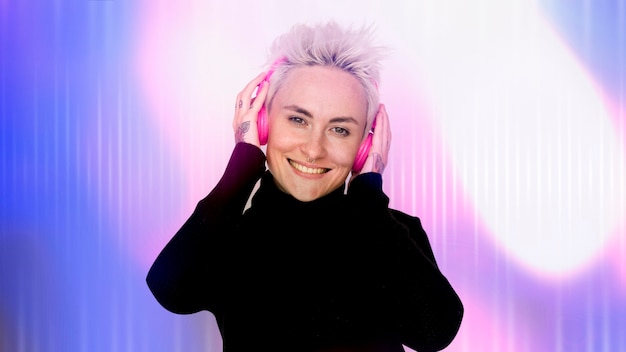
(314, 147)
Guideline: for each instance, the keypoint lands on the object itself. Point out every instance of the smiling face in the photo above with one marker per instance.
(316, 124)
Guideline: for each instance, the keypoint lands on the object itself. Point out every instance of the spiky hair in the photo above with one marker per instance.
(328, 44)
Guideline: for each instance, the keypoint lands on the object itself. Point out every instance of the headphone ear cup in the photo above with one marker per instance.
(261, 121)
(262, 125)
(362, 154)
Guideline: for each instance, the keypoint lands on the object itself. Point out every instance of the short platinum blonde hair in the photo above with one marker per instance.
(328, 44)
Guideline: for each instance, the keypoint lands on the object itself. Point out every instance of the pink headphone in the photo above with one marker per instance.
(262, 119)
(263, 127)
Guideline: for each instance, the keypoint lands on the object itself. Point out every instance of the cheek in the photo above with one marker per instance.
(271, 153)
(280, 142)
(277, 146)
(343, 154)
(278, 132)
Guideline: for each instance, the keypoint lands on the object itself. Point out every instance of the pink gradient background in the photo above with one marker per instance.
(508, 143)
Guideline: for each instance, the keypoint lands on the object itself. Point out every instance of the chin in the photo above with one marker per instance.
(306, 188)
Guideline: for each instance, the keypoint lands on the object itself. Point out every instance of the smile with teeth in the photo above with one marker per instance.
(307, 170)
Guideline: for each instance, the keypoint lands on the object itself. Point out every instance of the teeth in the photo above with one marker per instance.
(307, 170)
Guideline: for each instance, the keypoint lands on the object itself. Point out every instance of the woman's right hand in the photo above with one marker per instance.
(247, 107)
(381, 143)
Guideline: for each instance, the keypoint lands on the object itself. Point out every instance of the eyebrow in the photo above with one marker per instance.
(303, 111)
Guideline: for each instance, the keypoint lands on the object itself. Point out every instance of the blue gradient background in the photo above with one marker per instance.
(100, 163)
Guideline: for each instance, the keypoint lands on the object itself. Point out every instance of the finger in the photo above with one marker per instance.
(244, 99)
(387, 130)
(379, 152)
(382, 133)
(259, 99)
(245, 96)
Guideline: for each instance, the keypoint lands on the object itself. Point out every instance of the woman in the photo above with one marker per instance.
(316, 263)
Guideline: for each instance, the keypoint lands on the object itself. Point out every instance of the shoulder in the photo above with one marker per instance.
(404, 217)
(413, 223)
(416, 231)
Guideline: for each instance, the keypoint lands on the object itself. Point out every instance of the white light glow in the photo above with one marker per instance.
(529, 134)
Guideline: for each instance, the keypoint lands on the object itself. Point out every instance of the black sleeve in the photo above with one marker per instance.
(427, 309)
(186, 276)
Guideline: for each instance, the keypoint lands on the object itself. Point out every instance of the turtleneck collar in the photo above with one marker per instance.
(269, 192)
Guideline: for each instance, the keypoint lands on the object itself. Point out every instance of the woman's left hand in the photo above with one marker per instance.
(381, 142)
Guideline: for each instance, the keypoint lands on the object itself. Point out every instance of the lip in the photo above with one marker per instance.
(307, 169)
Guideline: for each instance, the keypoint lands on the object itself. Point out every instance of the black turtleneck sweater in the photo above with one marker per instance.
(341, 273)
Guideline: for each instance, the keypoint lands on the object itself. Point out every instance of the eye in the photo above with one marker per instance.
(297, 120)
(341, 131)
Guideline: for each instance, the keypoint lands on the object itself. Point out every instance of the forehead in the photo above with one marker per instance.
(323, 87)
